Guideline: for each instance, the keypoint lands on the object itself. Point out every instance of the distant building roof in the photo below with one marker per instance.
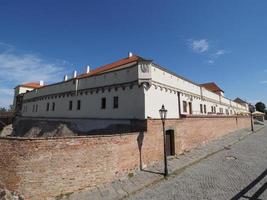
(240, 101)
(212, 87)
(31, 85)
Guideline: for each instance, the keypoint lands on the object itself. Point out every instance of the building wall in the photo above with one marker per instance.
(130, 98)
(134, 103)
(196, 101)
(155, 97)
(19, 90)
(40, 168)
(107, 79)
(192, 90)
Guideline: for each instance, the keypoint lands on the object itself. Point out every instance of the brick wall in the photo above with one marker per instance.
(41, 168)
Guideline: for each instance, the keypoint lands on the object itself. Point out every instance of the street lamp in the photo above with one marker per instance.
(251, 118)
(163, 115)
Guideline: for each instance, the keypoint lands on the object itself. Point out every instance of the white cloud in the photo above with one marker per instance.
(199, 46)
(19, 68)
(220, 52)
(204, 48)
(210, 61)
(216, 55)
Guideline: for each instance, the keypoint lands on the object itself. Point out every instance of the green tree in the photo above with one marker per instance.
(2, 109)
(260, 107)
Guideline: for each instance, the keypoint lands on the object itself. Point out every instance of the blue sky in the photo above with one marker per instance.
(220, 41)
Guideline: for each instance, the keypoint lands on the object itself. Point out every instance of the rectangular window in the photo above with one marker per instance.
(79, 105)
(36, 107)
(212, 109)
(201, 108)
(184, 106)
(33, 108)
(115, 102)
(190, 108)
(103, 103)
(53, 106)
(205, 109)
(47, 107)
(70, 105)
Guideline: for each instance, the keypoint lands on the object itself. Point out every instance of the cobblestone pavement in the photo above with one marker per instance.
(237, 172)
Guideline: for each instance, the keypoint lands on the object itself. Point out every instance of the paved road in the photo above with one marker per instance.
(236, 173)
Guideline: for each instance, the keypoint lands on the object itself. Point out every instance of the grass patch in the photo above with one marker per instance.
(131, 175)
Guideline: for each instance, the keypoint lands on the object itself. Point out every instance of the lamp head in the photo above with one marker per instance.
(163, 112)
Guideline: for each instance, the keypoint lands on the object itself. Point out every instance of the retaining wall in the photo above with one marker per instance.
(40, 168)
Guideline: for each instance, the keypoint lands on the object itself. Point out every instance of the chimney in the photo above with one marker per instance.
(87, 69)
(65, 77)
(130, 54)
(74, 74)
(41, 83)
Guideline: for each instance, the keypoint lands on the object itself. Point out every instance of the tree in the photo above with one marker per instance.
(260, 107)
(2, 109)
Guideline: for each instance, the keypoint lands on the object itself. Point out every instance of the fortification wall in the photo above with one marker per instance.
(47, 167)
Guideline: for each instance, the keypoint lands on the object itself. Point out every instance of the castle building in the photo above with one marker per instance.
(130, 88)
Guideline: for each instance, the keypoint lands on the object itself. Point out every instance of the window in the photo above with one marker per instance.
(213, 109)
(184, 106)
(205, 109)
(103, 103)
(115, 102)
(70, 105)
(190, 108)
(33, 108)
(79, 105)
(201, 108)
(36, 108)
(47, 107)
(53, 106)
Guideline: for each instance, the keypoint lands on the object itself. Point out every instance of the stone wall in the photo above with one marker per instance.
(45, 167)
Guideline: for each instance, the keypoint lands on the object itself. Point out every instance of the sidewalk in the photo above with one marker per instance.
(121, 189)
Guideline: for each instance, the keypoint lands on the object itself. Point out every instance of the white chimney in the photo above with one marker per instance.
(87, 69)
(41, 83)
(130, 54)
(74, 74)
(65, 77)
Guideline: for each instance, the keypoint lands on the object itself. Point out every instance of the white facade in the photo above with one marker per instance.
(134, 90)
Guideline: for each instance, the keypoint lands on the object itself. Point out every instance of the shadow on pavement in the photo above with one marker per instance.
(257, 194)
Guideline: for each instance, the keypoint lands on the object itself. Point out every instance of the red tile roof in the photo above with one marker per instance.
(111, 66)
(32, 85)
(212, 87)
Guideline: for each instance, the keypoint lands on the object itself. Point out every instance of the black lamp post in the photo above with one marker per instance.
(251, 119)
(163, 115)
